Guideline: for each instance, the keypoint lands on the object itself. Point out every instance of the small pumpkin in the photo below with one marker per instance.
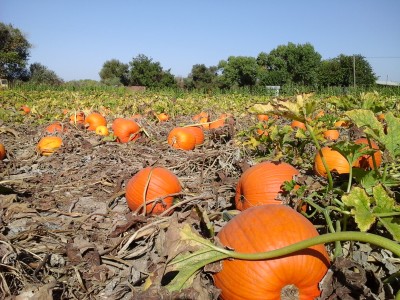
(220, 122)
(181, 138)
(25, 110)
(197, 132)
(204, 121)
(335, 161)
(199, 116)
(2, 152)
(149, 184)
(102, 130)
(331, 134)
(163, 117)
(265, 228)
(94, 120)
(297, 124)
(77, 118)
(262, 183)
(125, 130)
(262, 117)
(341, 123)
(366, 161)
(55, 127)
(48, 145)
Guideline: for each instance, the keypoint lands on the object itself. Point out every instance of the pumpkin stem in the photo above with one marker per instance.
(290, 292)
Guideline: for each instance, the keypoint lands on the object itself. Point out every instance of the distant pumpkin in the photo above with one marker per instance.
(55, 127)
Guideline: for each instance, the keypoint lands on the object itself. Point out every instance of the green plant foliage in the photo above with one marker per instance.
(366, 210)
(366, 120)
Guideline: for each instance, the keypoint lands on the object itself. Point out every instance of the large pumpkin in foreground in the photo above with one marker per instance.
(157, 182)
(261, 184)
(264, 228)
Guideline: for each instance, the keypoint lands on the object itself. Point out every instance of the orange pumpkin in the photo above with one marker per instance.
(197, 132)
(95, 120)
(55, 127)
(265, 228)
(331, 134)
(149, 184)
(163, 117)
(261, 184)
(25, 110)
(77, 118)
(298, 124)
(199, 116)
(366, 161)
(180, 138)
(204, 122)
(102, 130)
(48, 145)
(341, 123)
(2, 152)
(262, 118)
(220, 122)
(335, 161)
(125, 130)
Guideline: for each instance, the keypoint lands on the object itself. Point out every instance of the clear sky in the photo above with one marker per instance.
(75, 37)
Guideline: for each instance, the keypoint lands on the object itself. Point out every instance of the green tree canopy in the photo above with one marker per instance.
(339, 71)
(14, 53)
(40, 74)
(202, 77)
(114, 72)
(290, 63)
(145, 72)
(238, 71)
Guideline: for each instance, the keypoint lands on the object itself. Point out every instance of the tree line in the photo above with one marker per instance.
(297, 64)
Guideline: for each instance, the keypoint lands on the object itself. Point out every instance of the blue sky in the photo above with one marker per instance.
(74, 38)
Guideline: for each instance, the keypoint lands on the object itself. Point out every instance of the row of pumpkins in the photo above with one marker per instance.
(263, 225)
(127, 130)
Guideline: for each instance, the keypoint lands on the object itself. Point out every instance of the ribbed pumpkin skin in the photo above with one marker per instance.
(48, 145)
(366, 161)
(125, 130)
(78, 118)
(265, 228)
(198, 134)
(2, 152)
(261, 184)
(95, 120)
(181, 138)
(162, 182)
(336, 162)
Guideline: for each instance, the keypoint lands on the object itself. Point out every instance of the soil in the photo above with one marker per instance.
(66, 231)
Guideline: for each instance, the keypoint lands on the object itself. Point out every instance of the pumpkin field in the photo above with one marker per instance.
(117, 194)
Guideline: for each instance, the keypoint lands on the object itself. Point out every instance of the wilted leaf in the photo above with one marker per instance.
(261, 108)
(359, 200)
(386, 204)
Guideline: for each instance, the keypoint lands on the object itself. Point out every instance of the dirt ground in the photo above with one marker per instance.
(67, 233)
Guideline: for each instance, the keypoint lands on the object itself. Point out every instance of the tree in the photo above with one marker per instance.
(291, 63)
(40, 74)
(339, 71)
(202, 77)
(238, 71)
(14, 53)
(145, 72)
(114, 72)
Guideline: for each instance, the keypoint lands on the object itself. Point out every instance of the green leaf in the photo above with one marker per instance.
(366, 120)
(386, 204)
(359, 200)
